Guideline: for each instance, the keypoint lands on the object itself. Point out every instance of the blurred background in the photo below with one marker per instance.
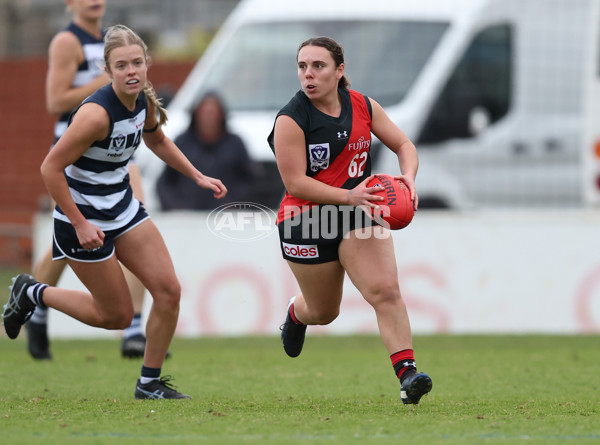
(176, 29)
(502, 100)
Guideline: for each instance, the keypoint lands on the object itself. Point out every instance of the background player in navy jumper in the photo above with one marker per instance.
(97, 220)
(75, 61)
(321, 141)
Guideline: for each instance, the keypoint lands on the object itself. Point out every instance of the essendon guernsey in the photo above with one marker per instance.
(337, 148)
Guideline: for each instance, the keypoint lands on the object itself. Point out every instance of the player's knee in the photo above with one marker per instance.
(118, 320)
(383, 294)
(327, 316)
(168, 294)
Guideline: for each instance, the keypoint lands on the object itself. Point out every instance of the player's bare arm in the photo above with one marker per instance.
(64, 56)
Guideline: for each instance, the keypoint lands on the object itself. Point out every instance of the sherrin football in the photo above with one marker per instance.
(396, 210)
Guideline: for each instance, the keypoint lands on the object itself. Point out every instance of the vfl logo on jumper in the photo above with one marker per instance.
(117, 146)
(300, 251)
(319, 156)
(121, 142)
(342, 135)
(241, 221)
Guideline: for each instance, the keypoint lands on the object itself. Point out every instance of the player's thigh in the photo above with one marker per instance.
(321, 284)
(143, 251)
(106, 282)
(370, 261)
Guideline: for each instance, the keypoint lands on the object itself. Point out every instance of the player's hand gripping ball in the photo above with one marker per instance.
(396, 210)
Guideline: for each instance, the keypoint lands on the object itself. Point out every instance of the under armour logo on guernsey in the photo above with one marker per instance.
(342, 134)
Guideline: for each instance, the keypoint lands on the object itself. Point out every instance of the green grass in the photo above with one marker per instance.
(6, 273)
(487, 389)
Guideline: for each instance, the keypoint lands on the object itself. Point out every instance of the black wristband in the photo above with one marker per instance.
(153, 129)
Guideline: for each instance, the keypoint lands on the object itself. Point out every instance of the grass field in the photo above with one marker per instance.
(341, 390)
(497, 389)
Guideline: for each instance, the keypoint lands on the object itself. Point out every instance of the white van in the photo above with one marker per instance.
(491, 91)
(591, 132)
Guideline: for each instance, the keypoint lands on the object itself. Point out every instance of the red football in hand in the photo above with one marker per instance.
(396, 210)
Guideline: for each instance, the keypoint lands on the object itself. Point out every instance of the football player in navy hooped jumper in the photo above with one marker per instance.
(74, 72)
(97, 220)
(321, 140)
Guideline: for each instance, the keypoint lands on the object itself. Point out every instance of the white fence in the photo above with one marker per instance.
(484, 272)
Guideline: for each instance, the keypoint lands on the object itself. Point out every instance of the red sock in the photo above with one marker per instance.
(403, 361)
(293, 315)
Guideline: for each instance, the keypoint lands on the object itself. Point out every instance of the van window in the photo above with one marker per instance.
(257, 69)
(481, 81)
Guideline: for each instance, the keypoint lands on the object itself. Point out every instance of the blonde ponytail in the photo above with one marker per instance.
(156, 101)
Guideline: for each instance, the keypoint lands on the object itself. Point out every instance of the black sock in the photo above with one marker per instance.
(149, 374)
